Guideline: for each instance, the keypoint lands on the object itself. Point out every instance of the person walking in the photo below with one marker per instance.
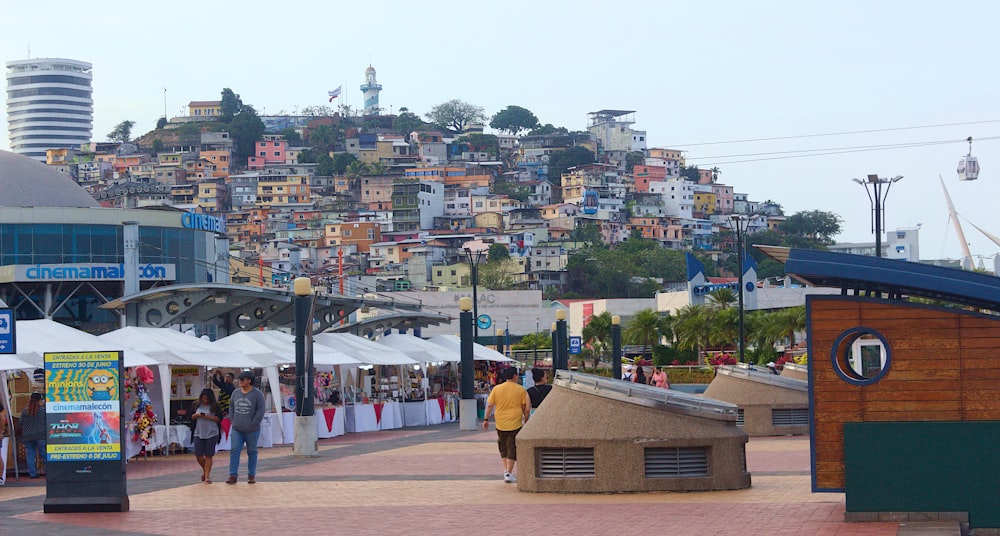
(540, 390)
(4, 441)
(33, 432)
(206, 416)
(226, 388)
(659, 378)
(246, 411)
(510, 404)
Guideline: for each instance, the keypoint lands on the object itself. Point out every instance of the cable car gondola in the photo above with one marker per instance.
(968, 166)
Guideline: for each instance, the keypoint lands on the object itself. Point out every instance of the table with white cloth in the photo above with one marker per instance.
(423, 412)
(389, 415)
(264, 440)
(329, 422)
(360, 418)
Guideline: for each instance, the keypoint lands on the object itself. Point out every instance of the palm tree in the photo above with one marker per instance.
(644, 328)
(722, 298)
(597, 333)
(786, 322)
(692, 327)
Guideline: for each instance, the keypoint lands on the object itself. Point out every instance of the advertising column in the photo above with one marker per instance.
(84, 458)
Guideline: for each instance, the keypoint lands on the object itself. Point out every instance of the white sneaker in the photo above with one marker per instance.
(509, 478)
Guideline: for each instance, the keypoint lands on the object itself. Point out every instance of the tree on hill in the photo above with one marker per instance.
(292, 137)
(245, 129)
(231, 105)
(690, 173)
(547, 128)
(560, 161)
(455, 115)
(813, 224)
(122, 132)
(161, 122)
(514, 119)
(407, 122)
(497, 252)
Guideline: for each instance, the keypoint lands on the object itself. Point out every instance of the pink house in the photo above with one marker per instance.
(270, 151)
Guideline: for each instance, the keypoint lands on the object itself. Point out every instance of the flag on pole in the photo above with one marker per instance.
(335, 93)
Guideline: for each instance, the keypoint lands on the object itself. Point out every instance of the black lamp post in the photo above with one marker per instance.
(305, 420)
(537, 333)
(475, 257)
(467, 385)
(878, 203)
(616, 347)
(740, 224)
(555, 347)
(561, 338)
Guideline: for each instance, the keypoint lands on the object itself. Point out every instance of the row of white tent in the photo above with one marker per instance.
(164, 347)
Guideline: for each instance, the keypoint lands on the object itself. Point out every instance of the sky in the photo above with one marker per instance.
(700, 76)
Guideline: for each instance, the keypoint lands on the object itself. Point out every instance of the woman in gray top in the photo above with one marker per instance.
(33, 432)
(205, 416)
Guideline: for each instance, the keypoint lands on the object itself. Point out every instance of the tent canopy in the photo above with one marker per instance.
(419, 349)
(175, 348)
(279, 347)
(364, 350)
(36, 337)
(479, 352)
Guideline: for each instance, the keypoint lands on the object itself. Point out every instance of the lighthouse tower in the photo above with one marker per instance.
(371, 89)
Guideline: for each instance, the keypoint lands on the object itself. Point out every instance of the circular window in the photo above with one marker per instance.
(861, 356)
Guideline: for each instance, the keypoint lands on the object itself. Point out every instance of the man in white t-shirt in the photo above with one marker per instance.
(628, 373)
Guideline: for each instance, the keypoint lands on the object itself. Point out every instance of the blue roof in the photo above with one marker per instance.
(897, 279)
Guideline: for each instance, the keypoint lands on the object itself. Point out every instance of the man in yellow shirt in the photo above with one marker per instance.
(510, 404)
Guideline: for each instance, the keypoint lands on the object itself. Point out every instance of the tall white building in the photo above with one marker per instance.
(49, 105)
(371, 88)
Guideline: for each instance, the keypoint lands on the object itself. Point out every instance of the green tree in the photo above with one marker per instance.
(646, 328)
(634, 158)
(230, 106)
(514, 119)
(455, 115)
(560, 161)
(356, 169)
(722, 298)
(547, 128)
(690, 173)
(597, 334)
(499, 275)
(342, 161)
(307, 156)
(692, 326)
(122, 132)
(407, 122)
(497, 252)
(161, 122)
(816, 225)
(322, 138)
(587, 233)
(325, 166)
(157, 146)
(292, 137)
(245, 129)
(188, 134)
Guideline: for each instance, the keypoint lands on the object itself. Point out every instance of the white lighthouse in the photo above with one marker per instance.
(371, 89)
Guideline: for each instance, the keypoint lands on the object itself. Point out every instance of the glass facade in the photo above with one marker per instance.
(56, 243)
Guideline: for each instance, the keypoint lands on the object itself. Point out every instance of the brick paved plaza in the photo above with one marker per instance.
(435, 481)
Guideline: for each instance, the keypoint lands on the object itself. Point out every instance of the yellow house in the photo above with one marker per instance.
(451, 275)
(282, 189)
(212, 196)
(205, 109)
(704, 203)
(489, 220)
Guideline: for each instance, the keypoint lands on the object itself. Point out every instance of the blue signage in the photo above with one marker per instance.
(484, 321)
(8, 342)
(203, 222)
(90, 272)
(575, 345)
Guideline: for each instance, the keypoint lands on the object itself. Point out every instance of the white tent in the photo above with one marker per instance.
(479, 352)
(364, 350)
(36, 337)
(419, 349)
(279, 347)
(172, 347)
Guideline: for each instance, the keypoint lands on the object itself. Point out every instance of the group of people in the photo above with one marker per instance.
(244, 404)
(636, 374)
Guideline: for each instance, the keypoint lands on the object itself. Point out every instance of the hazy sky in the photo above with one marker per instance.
(694, 74)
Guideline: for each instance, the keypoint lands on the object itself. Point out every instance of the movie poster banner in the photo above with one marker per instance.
(83, 406)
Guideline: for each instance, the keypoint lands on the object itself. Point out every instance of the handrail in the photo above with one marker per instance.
(647, 395)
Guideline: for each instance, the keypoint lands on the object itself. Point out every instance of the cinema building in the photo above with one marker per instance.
(62, 255)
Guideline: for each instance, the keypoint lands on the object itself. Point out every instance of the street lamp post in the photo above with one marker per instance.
(537, 333)
(616, 347)
(506, 338)
(475, 257)
(305, 420)
(561, 337)
(555, 348)
(878, 203)
(467, 383)
(500, 342)
(740, 224)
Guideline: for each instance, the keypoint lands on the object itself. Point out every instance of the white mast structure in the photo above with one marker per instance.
(953, 216)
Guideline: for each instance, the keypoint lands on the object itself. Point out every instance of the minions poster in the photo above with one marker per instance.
(83, 406)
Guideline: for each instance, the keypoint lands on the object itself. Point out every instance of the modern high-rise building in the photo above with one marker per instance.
(371, 89)
(49, 105)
